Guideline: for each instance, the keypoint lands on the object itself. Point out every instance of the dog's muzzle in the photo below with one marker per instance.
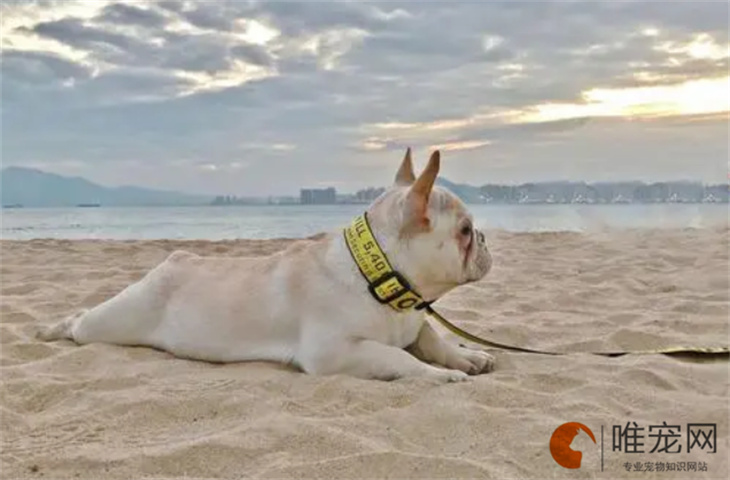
(481, 258)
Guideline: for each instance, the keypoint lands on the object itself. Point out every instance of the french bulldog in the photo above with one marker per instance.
(309, 305)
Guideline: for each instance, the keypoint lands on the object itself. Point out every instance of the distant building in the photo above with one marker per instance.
(369, 194)
(285, 200)
(318, 196)
(559, 192)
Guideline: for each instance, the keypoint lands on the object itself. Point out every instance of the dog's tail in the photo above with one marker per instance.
(61, 330)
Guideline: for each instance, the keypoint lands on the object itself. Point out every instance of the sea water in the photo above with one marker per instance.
(271, 221)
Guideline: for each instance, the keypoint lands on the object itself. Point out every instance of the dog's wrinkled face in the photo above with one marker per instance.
(428, 233)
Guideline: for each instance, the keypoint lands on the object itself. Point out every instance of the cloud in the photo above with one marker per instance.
(269, 147)
(465, 145)
(252, 54)
(76, 34)
(41, 68)
(119, 13)
(127, 37)
(306, 87)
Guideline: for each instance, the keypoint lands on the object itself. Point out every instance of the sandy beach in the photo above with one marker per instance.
(109, 412)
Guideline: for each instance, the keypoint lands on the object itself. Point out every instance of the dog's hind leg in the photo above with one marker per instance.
(121, 319)
(60, 330)
(129, 318)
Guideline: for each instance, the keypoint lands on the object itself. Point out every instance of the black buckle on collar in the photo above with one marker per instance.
(405, 287)
(425, 304)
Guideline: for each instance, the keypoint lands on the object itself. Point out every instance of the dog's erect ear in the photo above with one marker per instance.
(422, 187)
(405, 174)
(420, 192)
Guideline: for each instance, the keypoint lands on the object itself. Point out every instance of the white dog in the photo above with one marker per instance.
(310, 304)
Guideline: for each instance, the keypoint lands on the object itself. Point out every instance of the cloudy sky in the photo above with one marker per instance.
(253, 98)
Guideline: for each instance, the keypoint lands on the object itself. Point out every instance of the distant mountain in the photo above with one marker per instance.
(467, 193)
(34, 188)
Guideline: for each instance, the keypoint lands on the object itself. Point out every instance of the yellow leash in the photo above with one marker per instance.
(489, 343)
(391, 288)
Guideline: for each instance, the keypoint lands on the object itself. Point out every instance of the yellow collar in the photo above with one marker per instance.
(384, 283)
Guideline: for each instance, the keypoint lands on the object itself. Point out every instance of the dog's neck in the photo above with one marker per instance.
(385, 284)
(397, 248)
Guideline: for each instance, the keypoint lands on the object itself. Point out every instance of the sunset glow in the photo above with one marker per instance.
(689, 98)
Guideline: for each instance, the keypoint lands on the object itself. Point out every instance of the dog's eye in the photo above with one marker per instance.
(466, 230)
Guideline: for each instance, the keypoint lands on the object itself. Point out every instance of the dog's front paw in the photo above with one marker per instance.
(448, 375)
(475, 362)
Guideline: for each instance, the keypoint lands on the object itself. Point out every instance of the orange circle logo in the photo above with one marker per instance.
(560, 444)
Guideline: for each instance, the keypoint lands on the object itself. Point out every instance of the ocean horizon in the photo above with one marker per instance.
(294, 221)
